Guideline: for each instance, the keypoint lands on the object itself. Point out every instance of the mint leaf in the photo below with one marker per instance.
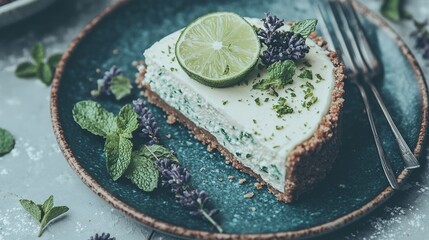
(32, 209)
(94, 118)
(53, 61)
(282, 72)
(38, 52)
(304, 27)
(127, 121)
(121, 86)
(51, 215)
(143, 172)
(308, 74)
(44, 73)
(26, 70)
(159, 152)
(48, 204)
(391, 9)
(118, 155)
(7, 142)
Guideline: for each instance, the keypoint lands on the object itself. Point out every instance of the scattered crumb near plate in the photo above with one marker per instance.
(97, 70)
(220, 179)
(249, 195)
(241, 180)
(168, 136)
(253, 209)
(115, 52)
(171, 119)
(230, 178)
(258, 185)
(227, 162)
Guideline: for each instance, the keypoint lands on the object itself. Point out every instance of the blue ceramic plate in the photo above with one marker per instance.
(20, 9)
(355, 186)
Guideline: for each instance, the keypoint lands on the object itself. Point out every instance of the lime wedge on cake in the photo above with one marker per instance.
(218, 49)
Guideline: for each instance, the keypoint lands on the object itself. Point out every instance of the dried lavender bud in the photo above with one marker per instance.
(103, 236)
(146, 121)
(177, 178)
(105, 83)
(281, 45)
(421, 35)
(172, 174)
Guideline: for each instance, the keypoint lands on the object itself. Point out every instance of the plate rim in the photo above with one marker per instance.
(190, 233)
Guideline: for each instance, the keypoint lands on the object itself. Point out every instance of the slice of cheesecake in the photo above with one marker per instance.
(290, 147)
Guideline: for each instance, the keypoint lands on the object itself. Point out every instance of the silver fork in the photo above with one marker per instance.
(361, 64)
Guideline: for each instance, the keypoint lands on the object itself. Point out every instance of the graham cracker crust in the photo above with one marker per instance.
(308, 163)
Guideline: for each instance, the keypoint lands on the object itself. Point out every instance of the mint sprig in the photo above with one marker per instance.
(43, 213)
(138, 166)
(304, 27)
(38, 68)
(279, 75)
(7, 142)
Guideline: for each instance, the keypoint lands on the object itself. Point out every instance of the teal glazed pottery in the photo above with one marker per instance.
(355, 186)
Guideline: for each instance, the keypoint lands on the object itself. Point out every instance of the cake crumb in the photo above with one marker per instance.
(227, 162)
(231, 178)
(168, 136)
(249, 195)
(97, 70)
(115, 52)
(258, 185)
(242, 180)
(253, 209)
(171, 119)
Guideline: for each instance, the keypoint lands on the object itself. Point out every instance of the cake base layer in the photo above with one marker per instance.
(308, 163)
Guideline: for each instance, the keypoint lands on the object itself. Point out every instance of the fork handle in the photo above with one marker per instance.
(387, 168)
(408, 156)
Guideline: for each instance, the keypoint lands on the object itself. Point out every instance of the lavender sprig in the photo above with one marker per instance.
(281, 45)
(177, 178)
(105, 83)
(146, 121)
(103, 236)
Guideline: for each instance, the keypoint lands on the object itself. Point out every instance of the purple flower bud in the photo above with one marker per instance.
(281, 45)
(146, 121)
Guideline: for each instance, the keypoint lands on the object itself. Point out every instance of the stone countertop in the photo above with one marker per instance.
(36, 168)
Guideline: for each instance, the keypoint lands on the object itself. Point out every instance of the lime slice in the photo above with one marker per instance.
(218, 49)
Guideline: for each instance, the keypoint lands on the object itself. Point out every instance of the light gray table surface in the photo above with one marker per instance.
(36, 168)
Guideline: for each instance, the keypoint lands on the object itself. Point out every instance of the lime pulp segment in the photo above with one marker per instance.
(218, 49)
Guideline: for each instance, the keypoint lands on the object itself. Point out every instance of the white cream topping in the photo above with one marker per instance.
(254, 133)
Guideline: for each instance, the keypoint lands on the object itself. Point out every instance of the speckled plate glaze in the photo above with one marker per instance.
(355, 186)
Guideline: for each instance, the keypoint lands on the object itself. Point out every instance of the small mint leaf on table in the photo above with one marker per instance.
(26, 70)
(93, 117)
(127, 121)
(7, 142)
(391, 9)
(143, 172)
(51, 215)
(44, 73)
(53, 61)
(33, 209)
(121, 86)
(48, 204)
(38, 52)
(118, 151)
(304, 27)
